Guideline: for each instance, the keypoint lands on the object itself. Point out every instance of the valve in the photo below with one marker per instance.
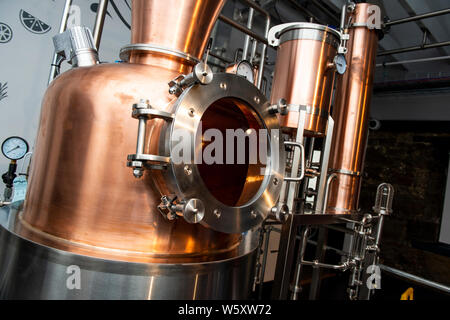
(8, 179)
(201, 74)
(192, 211)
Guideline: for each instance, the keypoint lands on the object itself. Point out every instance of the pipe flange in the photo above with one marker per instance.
(148, 47)
(183, 174)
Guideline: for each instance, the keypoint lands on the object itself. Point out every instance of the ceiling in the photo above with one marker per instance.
(398, 36)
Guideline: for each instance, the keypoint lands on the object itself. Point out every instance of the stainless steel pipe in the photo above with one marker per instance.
(394, 63)
(99, 22)
(247, 37)
(414, 48)
(411, 277)
(62, 28)
(243, 29)
(418, 17)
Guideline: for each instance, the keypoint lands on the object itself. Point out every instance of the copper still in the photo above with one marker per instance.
(351, 114)
(304, 72)
(82, 197)
(85, 208)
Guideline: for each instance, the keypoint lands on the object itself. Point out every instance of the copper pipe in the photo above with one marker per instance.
(351, 114)
(82, 197)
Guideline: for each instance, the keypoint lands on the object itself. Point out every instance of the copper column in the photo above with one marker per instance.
(351, 113)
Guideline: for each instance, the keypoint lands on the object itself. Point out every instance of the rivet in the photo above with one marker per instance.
(217, 213)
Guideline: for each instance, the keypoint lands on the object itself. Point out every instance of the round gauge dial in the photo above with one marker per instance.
(245, 69)
(340, 63)
(14, 148)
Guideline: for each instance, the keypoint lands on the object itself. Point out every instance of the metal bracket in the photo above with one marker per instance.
(139, 161)
(273, 36)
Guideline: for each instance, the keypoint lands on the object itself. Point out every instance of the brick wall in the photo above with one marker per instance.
(413, 157)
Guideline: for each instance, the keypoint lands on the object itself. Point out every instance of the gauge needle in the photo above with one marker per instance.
(13, 149)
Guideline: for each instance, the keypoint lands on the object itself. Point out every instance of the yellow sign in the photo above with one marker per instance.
(408, 294)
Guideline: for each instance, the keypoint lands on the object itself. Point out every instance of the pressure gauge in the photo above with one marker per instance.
(14, 148)
(243, 69)
(340, 63)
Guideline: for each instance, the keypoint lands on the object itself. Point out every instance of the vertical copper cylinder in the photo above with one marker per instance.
(82, 197)
(351, 113)
(304, 73)
(182, 26)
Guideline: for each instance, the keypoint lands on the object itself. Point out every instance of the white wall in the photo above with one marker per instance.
(25, 59)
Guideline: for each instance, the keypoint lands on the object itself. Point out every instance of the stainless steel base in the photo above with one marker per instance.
(32, 271)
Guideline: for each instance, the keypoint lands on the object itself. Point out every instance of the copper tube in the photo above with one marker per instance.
(351, 113)
(304, 75)
(82, 197)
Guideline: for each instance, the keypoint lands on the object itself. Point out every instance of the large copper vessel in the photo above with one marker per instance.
(351, 113)
(304, 72)
(82, 197)
(85, 209)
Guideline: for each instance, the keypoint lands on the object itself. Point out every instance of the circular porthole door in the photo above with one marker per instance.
(226, 154)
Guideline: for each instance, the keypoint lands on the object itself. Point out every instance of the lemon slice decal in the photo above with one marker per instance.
(33, 24)
(5, 33)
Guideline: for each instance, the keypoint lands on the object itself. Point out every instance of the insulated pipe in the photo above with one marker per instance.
(62, 28)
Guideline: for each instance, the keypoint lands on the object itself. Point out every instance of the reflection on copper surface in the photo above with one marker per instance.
(351, 112)
(232, 184)
(180, 25)
(303, 76)
(82, 197)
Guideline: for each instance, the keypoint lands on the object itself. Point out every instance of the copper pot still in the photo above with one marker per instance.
(351, 113)
(82, 198)
(304, 72)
